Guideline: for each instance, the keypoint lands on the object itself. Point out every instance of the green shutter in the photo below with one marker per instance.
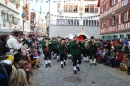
(7, 17)
(12, 19)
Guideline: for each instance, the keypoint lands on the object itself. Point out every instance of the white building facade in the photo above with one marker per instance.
(74, 12)
(71, 16)
(11, 16)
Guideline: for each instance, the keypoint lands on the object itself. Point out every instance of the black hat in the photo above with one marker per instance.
(62, 39)
(46, 38)
(75, 36)
(58, 36)
(67, 38)
(92, 37)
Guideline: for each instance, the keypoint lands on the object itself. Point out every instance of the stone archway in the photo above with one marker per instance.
(85, 35)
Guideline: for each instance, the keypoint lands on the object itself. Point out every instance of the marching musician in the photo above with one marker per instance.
(46, 48)
(58, 42)
(67, 41)
(63, 52)
(92, 50)
(54, 47)
(75, 50)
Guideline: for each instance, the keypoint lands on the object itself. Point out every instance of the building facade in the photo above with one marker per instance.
(114, 18)
(83, 13)
(11, 15)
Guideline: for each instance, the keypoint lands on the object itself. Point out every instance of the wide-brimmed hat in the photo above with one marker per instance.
(46, 38)
(21, 63)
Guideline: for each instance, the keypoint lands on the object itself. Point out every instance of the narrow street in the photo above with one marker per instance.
(99, 75)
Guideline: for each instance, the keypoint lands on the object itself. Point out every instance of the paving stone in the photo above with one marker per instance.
(99, 75)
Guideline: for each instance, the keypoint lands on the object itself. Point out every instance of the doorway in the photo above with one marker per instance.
(84, 37)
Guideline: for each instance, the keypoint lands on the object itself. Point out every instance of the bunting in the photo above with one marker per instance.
(58, 16)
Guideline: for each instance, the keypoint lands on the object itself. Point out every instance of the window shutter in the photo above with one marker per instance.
(122, 17)
(129, 15)
(110, 21)
(110, 3)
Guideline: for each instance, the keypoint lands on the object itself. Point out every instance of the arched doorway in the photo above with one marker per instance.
(84, 37)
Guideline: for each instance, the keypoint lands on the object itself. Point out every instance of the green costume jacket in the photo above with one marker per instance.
(75, 49)
(62, 49)
(44, 47)
(93, 46)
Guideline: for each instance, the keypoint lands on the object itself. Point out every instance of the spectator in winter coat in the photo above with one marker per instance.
(118, 59)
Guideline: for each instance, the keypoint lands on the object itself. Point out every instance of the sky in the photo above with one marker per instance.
(36, 6)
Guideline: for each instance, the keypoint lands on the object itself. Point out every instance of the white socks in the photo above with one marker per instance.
(64, 60)
(77, 65)
(85, 59)
(90, 60)
(46, 62)
(94, 61)
(49, 61)
(58, 57)
(74, 67)
(43, 55)
(61, 62)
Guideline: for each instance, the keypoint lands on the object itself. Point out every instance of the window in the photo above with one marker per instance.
(119, 19)
(91, 9)
(58, 7)
(119, 0)
(102, 24)
(102, 9)
(15, 20)
(7, 17)
(86, 9)
(3, 15)
(18, 21)
(113, 2)
(113, 20)
(86, 22)
(96, 9)
(107, 5)
(107, 23)
(126, 16)
(94, 22)
(75, 8)
(98, 23)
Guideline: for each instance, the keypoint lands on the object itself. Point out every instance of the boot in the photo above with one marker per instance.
(46, 65)
(75, 72)
(62, 66)
(49, 64)
(64, 63)
(78, 68)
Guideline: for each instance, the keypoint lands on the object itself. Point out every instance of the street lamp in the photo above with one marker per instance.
(23, 16)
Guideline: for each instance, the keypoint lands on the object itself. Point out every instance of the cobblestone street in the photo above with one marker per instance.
(99, 75)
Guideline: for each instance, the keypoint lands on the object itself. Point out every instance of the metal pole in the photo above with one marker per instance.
(49, 18)
(23, 24)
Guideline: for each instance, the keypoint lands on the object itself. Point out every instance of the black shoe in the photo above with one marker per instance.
(90, 63)
(38, 66)
(64, 63)
(57, 60)
(75, 72)
(46, 65)
(54, 58)
(49, 64)
(62, 66)
(78, 68)
(95, 64)
(85, 61)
